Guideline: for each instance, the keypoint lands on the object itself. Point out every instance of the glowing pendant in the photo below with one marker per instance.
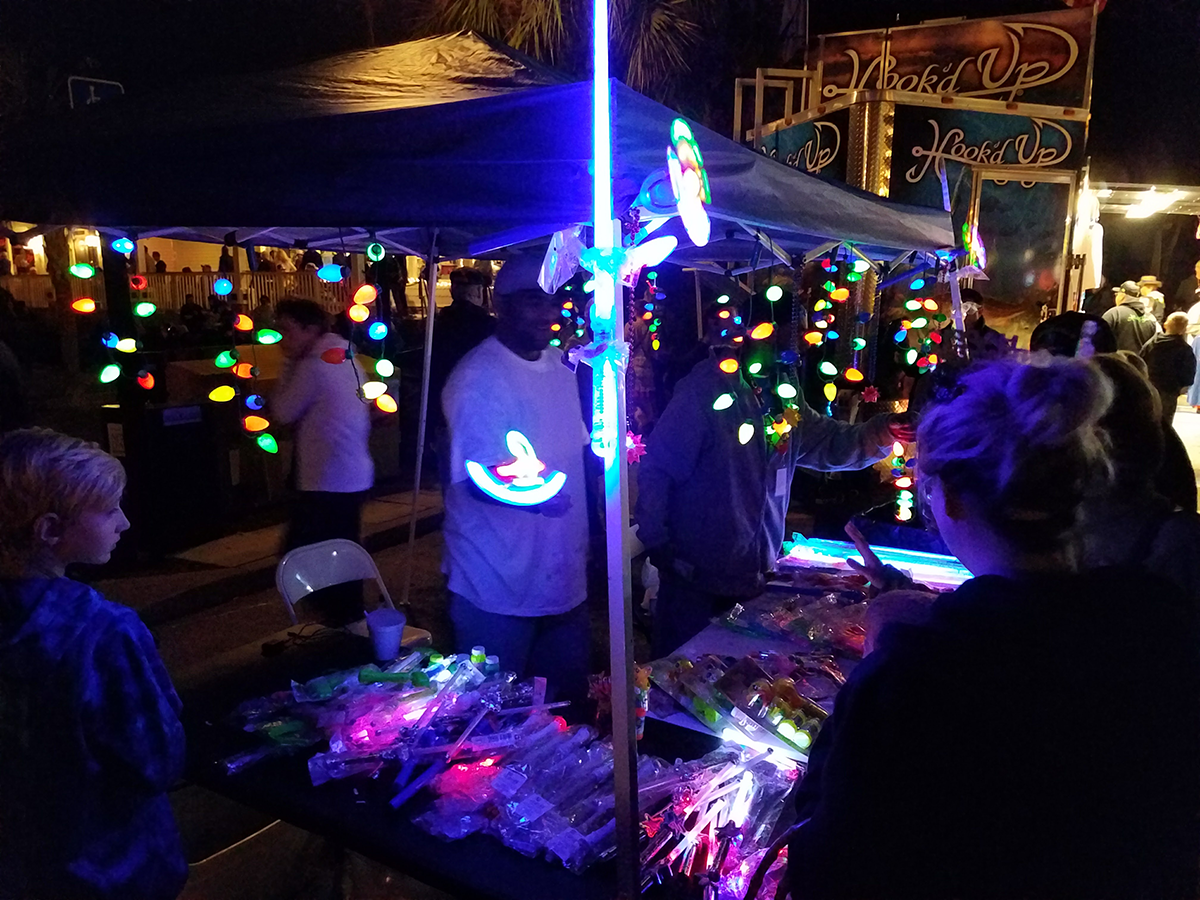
(519, 483)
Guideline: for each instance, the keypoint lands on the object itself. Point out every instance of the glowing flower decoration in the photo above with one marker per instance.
(386, 403)
(762, 331)
(223, 287)
(84, 305)
(635, 447)
(871, 394)
(729, 365)
(520, 482)
(223, 394)
(255, 423)
(689, 182)
(358, 313)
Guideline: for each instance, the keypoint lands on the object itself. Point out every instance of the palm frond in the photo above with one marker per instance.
(654, 39)
(539, 29)
(485, 16)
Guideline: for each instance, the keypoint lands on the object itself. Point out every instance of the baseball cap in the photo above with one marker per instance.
(519, 274)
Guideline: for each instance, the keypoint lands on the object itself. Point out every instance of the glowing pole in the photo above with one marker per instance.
(608, 439)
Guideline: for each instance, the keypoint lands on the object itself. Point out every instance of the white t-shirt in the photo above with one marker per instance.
(508, 559)
(334, 425)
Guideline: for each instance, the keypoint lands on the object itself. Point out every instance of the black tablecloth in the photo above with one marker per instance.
(355, 812)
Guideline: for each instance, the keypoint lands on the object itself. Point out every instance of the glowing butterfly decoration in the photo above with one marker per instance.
(521, 482)
(83, 270)
(222, 287)
(84, 305)
(330, 272)
(689, 182)
(122, 245)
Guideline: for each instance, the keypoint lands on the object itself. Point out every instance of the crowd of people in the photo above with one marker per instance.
(997, 741)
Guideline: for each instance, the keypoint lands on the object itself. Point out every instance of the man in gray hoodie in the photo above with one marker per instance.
(713, 494)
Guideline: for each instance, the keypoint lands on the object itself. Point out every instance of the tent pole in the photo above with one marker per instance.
(430, 310)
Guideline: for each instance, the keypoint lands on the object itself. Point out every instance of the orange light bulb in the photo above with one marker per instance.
(729, 366)
(365, 294)
(84, 305)
(358, 313)
(386, 403)
(242, 370)
(255, 423)
(243, 322)
(762, 331)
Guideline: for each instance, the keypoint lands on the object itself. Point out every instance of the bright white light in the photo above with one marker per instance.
(1153, 202)
(745, 432)
(514, 496)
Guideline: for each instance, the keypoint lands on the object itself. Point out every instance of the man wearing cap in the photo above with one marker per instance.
(516, 573)
(1132, 325)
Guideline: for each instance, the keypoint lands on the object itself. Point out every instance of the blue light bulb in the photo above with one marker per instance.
(378, 331)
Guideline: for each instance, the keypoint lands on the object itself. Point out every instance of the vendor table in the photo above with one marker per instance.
(355, 812)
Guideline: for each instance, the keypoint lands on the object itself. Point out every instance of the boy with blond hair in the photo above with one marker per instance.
(90, 737)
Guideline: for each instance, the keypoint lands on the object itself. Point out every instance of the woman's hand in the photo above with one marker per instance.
(882, 577)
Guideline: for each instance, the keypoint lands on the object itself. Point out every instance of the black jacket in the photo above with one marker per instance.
(1171, 362)
(1036, 739)
(1131, 324)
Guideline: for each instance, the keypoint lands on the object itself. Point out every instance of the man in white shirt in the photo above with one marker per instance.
(332, 464)
(517, 574)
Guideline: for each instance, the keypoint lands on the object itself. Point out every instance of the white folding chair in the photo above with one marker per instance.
(316, 566)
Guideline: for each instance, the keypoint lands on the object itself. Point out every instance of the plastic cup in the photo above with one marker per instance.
(386, 627)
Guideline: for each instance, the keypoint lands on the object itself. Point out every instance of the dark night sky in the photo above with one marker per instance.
(1146, 113)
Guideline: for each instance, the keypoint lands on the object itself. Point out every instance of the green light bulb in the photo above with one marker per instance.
(268, 443)
(828, 368)
(774, 293)
(786, 391)
(754, 368)
(723, 402)
(859, 343)
(384, 368)
(225, 359)
(268, 336)
(110, 373)
(144, 309)
(83, 270)
(375, 252)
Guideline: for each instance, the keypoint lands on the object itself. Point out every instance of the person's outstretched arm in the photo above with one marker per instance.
(827, 445)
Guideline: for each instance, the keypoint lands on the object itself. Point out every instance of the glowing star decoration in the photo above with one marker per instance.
(386, 403)
(786, 391)
(145, 380)
(268, 336)
(762, 331)
(853, 375)
(222, 287)
(377, 331)
(223, 394)
(110, 373)
(255, 423)
(520, 482)
(358, 313)
(774, 294)
(723, 402)
(127, 345)
(372, 390)
(384, 368)
(84, 305)
(330, 273)
(635, 447)
(144, 309)
(334, 356)
(225, 359)
(689, 182)
(366, 293)
(138, 282)
(83, 270)
(267, 443)
(122, 245)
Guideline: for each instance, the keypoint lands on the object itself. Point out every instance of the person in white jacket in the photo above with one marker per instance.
(332, 465)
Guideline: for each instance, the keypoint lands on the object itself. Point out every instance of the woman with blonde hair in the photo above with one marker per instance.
(1038, 735)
